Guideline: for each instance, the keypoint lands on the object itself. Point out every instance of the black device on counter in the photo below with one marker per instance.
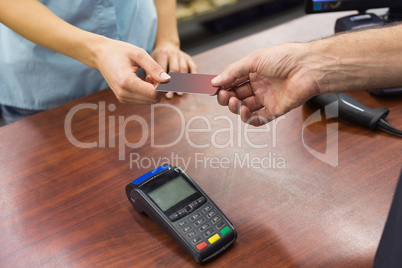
(320, 6)
(183, 210)
(357, 22)
(353, 111)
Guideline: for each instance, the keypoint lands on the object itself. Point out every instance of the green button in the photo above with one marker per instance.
(225, 230)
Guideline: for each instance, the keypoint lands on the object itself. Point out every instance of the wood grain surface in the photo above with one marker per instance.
(62, 198)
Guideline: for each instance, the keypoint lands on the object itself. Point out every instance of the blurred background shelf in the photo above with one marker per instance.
(200, 11)
(205, 24)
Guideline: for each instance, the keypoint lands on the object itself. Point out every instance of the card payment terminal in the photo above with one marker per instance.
(182, 209)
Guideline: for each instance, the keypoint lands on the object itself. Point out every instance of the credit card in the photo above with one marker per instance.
(189, 83)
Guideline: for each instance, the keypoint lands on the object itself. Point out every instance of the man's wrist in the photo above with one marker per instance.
(326, 66)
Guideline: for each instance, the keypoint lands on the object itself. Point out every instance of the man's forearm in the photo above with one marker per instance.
(354, 61)
(35, 22)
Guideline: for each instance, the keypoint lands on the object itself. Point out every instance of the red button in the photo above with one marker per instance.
(201, 246)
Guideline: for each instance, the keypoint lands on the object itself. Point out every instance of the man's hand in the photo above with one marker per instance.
(266, 84)
(272, 81)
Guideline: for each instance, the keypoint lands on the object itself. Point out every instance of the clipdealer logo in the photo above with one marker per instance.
(271, 160)
(230, 134)
(330, 156)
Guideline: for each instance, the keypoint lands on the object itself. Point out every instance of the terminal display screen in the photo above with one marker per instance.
(172, 193)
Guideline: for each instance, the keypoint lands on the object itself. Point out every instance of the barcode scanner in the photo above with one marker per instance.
(351, 110)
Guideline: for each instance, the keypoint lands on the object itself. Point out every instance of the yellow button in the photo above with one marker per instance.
(214, 239)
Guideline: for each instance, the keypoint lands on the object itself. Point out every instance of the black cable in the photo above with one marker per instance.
(385, 126)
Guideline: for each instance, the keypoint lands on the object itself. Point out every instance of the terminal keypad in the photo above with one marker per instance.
(205, 227)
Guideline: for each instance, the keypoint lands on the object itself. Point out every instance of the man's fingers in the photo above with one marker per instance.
(258, 118)
(241, 92)
(224, 96)
(252, 103)
(236, 83)
(235, 71)
(234, 105)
